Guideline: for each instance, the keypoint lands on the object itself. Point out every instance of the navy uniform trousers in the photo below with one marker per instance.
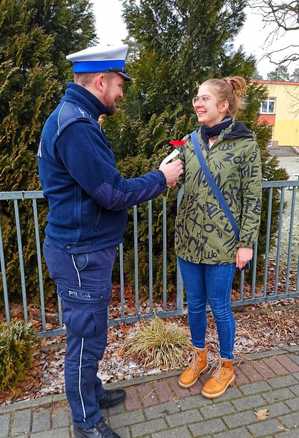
(84, 286)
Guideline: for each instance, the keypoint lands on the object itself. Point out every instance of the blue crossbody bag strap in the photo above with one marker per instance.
(213, 185)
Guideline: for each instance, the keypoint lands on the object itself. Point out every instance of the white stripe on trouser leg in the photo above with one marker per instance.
(78, 274)
(80, 373)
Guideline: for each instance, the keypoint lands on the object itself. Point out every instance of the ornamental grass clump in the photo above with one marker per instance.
(158, 344)
(17, 342)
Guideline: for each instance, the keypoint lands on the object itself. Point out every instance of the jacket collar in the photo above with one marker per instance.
(234, 131)
(80, 96)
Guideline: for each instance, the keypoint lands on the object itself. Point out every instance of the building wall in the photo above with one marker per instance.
(285, 120)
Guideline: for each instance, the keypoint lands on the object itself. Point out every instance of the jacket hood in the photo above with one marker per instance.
(238, 130)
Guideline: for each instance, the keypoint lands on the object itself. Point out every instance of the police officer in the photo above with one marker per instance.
(88, 201)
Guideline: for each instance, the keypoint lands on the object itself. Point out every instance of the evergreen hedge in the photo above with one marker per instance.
(17, 343)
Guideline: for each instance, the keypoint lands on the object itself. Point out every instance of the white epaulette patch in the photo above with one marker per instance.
(81, 111)
(39, 152)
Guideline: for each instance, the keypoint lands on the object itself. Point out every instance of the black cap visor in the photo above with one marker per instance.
(124, 75)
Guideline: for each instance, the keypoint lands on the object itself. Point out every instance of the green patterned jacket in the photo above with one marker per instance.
(203, 234)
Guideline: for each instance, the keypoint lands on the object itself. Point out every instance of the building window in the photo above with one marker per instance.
(268, 106)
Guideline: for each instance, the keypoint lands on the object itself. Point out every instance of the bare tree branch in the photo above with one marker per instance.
(282, 17)
(285, 15)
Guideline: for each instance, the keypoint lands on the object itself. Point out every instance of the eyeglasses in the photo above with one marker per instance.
(197, 99)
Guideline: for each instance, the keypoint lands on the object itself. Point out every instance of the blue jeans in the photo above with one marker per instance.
(210, 284)
(84, 286)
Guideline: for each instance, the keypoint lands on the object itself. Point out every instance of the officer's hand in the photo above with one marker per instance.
(172, 171)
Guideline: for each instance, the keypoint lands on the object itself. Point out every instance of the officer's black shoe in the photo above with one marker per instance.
(111, 398)
(101, 430)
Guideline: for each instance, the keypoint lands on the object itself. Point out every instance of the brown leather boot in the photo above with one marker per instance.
(198, 365)
(218, 383)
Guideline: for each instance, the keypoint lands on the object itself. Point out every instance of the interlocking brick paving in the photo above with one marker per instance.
(161, 409)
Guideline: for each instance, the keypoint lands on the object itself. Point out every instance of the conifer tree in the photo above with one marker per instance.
(177, 44)
(35, 37)
(279, 74)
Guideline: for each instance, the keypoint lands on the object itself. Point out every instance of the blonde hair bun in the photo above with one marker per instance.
(238, 84)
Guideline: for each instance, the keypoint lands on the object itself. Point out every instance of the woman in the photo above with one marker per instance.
(207, 245)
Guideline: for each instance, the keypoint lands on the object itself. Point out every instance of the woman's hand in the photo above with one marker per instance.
(244, 255)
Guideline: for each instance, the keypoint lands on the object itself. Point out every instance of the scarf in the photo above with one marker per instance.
(213, 131)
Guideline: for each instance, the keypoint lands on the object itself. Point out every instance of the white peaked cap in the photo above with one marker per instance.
(100, 59)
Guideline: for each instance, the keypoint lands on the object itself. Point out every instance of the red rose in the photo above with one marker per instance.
(177, 143)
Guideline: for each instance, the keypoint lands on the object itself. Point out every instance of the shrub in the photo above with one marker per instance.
(17, 342)
(158, 344)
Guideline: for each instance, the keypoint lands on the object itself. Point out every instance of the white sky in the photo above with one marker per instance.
(111, 29)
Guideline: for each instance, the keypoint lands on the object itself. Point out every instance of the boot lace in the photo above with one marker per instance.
(218, 371)
(196, 360)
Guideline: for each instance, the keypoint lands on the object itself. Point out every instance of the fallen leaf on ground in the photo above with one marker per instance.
(262, 414)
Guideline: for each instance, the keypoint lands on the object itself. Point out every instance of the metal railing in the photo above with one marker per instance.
(277, 277)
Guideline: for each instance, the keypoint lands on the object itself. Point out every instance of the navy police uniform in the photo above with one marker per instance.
(88, 201)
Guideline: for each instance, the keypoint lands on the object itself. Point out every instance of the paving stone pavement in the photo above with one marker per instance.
(159, 408)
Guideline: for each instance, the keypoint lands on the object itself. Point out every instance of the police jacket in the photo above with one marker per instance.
(203, 233)
(87, 196)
